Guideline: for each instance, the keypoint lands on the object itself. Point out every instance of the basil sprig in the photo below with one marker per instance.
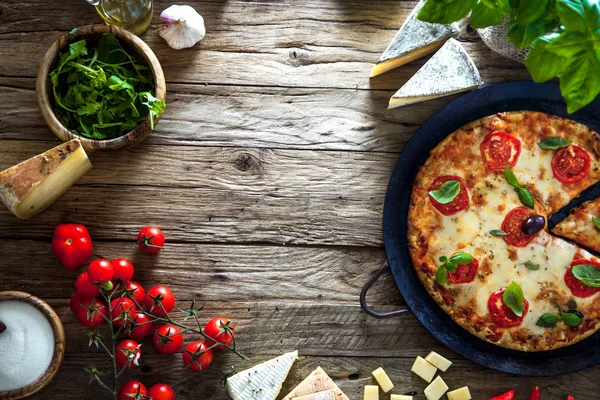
(524, 194)
(450, 264)
(571, 318)
(596, 222)
(588, 274)
(514, 299)
(554, 143)
(447, 192)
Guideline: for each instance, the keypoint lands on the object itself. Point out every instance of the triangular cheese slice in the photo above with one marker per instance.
(449, 71)
(318, 381)
(331, 394)
(262, 382)
(30, 187)
(414, 40)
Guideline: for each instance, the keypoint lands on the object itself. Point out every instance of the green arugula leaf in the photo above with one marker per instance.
(514, 299)
(572, 14)
(498, 233)
(572, 318)
(530, 11)
(542, 64)
(107, 46)
(445, 11)
(596, 221)
(511, 178)
(554, 143)
(531, 266)
(441, 275)
(447, 192)
(588, 274)
(461, 258)
(526, 197)
(155, 106)
(489, 12)
(548, 320)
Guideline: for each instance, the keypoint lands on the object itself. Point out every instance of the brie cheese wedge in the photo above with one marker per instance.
(449, 71)
(316, 383)
(331, 394)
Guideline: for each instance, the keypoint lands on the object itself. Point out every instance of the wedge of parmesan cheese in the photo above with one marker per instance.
(262, 382)
(414, 40)
(30, 187)
(331, 394)
(318, 381)
(449, 71)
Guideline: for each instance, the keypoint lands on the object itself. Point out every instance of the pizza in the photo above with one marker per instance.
(477, 230)
(582, 225)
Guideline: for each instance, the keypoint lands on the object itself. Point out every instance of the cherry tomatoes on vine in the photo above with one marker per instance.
(91, 313)
(221, 330)
(137, 291)
(72, 245)
(155, 297)
(127, 352)
(161, 391)
(123, 270)
(101, 271)
(122, 309)
(85, 287)
(133, 390)
(197, 356)
(75, 303)
(167, 339)
(151, 239)
(142, 327)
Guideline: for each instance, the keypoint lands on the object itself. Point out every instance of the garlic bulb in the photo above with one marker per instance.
(181, 26)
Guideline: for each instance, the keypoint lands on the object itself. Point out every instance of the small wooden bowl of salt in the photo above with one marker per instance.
(32, 344)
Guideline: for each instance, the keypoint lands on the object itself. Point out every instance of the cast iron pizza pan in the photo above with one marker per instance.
(480, 103)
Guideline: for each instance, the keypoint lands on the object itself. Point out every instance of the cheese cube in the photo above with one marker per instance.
(436, 389)
(440, 362)
(383, 380)
(400, 397)
(371, 392)
(424, 369)
(460, 394)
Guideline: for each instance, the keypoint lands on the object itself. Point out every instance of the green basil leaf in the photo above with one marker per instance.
(447, 192)
(445, 11)
(511, 177)
(580, 81)
(571, 318)
(554, 143)
(514, 299)
(587, 274)
(548, 320)
(443, 259)
(596, 221)
(542, 64)
(523, 36)
(572, 15)
(489, 12)
(498, 233)
(526, 197)
(461, 258)
(450, 266)
(530, 11)
(569, 44)
(441, 275)
(531, 266)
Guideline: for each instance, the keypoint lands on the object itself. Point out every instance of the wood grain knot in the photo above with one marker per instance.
(298, 57)
(245, 162)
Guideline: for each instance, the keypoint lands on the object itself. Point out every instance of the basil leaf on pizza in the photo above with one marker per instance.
(531, 266)
(526, 197)
(498, 233)
(447, 192)
(554, 143)
(514, 299)
(511, 178)
(572, 318)
(548, 320)
(588, 274)
(441, 275)
(461, 258)
(596, 221)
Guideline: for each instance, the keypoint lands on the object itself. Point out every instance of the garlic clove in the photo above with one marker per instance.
(181, 26)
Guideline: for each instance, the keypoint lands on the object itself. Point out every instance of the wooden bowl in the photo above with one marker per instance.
(59, 344)
(132, 43)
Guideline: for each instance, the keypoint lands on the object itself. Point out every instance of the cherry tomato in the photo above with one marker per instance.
(161, 391)
(138, 292)
(162, 295)
(100, 271)
(91, 317)
(221, 330)
(142, 327)
(535, 395)
(85, 287)
(570, 397)
(151, 239)
(123, 270)
(197, 356)
(465, 273)
(500, 149)
(460, 202)
(512, 225)
(133, 390)
(577, 287)
(571, 164)
(128, 353)
(510, 395)
(72, 245)
(502, 314)
(167, 339)
(122, 309)
(75, 303)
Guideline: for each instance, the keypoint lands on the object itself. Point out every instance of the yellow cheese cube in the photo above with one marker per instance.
(436, 389)
(371, 392)
(400, 397)
(383, 380)
(440, 362)
(424, 369)
(462, 393)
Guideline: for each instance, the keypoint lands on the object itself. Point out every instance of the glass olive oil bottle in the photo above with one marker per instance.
(132, 15)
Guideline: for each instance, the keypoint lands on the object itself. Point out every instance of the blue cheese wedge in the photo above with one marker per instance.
(317, 382)
(262, 382)
(449, 71)
(414, 40)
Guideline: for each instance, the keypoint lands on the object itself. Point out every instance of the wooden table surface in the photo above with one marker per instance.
(267, 173)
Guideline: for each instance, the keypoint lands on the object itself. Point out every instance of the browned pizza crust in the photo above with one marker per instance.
(431, 235)
(580, 227)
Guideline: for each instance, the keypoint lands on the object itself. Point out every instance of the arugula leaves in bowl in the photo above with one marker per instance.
(101, 92)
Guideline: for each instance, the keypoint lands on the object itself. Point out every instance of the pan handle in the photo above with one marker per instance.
(363, 296)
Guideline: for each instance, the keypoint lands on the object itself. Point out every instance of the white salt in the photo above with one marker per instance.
(26, 346)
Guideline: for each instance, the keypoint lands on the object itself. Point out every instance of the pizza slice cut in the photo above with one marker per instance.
(582, 225)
